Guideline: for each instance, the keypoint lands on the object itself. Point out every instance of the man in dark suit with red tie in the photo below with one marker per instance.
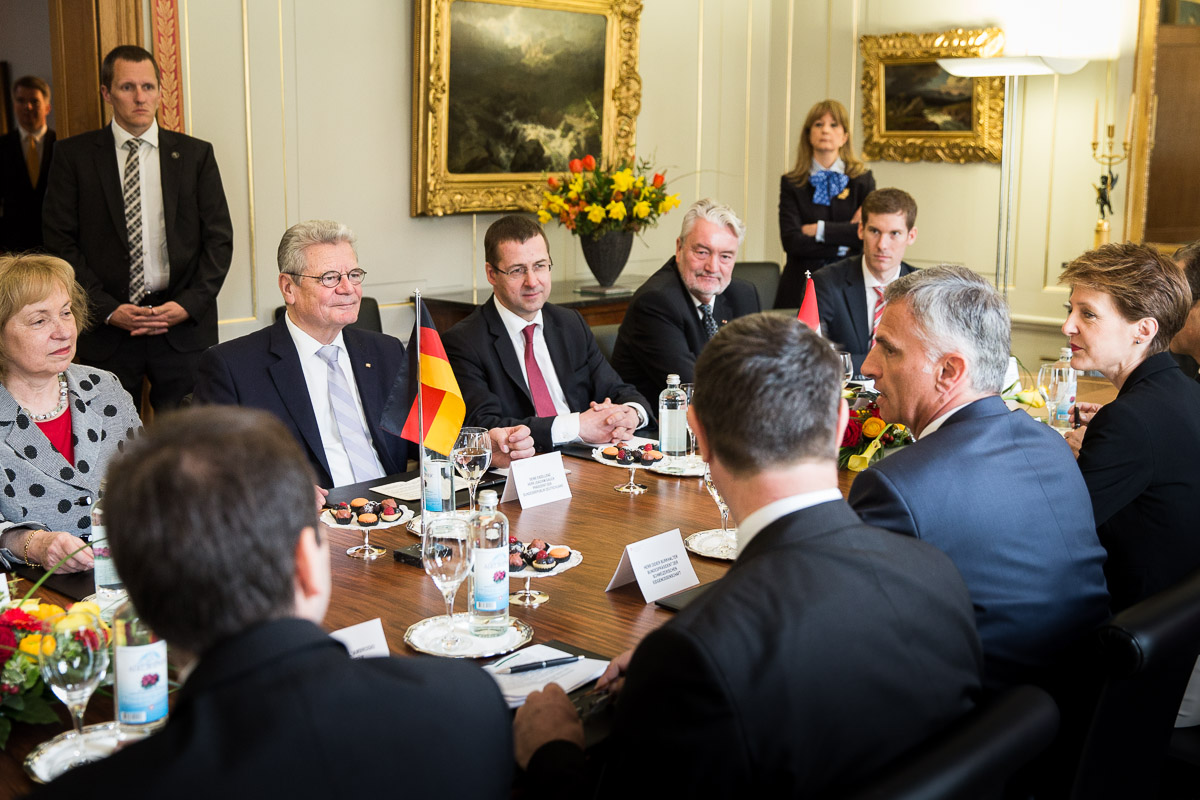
(522, 361)
(140, 213)
(850, 291)
(25, 155)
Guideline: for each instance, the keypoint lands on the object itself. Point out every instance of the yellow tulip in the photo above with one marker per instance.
(35, 641)
(872, 427)
(44, 611)
(595, 213)
(641, 209)
(616, 210)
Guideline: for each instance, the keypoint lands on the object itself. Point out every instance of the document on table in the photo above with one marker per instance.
(570, 677)
(410, 491)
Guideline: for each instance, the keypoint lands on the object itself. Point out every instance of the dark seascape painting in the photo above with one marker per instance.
(526, 89)
(924, 97)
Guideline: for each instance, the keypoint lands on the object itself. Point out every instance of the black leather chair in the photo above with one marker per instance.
(368, 315)
(606, 338)
(1146, 658)
(765, 277)
(974, 758)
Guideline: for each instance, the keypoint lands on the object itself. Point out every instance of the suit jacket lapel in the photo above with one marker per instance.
(169, 165)
(30, 445)
(691, 315)
(85, 448)
(288, 377)
(109, 170)
(854, 295)
(371, 391)
(505, 353)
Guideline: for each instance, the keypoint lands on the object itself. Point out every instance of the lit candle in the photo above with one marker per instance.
(1129, 118)
(1096, 123)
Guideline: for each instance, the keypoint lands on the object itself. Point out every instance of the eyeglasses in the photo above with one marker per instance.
(520, 271)
(331, 279)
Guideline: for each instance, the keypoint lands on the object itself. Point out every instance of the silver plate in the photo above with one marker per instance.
(684, 467)
(712, 544)
(49, 760)
(575, 559)
(426, 637)
(609, 462)
(414, 525)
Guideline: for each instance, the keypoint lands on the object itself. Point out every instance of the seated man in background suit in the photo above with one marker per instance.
(679, 308)
(25, 154)
(1186, 344)
(850, 293)
(272, 698)
(327, 382)
(520, 360)
(830, 646)
(993, 489)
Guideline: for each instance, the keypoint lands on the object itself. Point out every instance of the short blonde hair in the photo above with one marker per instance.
(1141, 281)
(30, 278)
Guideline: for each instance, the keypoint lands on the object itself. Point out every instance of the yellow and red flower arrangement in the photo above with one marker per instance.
(591, 201)
(865, 426)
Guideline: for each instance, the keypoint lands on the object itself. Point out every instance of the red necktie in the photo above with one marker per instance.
(542, 403)
(879, 304)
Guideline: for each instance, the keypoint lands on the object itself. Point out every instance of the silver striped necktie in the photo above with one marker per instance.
(346, 417)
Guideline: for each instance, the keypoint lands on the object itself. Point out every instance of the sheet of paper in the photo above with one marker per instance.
(409, 491)
(660, 565)
(364, 640)
(570, 677)
(539, 480)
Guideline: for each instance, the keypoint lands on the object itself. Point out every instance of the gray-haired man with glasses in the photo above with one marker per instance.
(522, 361)
(326, 381)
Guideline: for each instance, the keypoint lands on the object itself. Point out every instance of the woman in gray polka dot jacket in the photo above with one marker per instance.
(60, 423)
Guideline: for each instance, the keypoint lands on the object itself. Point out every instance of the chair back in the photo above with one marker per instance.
(368, 315)
(973, 758)
(765, 277)
(1145, 660)
(606, 338)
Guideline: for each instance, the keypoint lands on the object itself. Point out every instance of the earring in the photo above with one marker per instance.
(1137, 341)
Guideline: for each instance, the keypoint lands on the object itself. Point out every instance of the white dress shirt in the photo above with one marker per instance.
(154, 222)
(870, 282)
(762, 517)
(316, 377)
(565, 427)
(838, 166)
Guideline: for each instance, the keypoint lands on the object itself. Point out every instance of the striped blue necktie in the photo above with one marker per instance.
(346, 417)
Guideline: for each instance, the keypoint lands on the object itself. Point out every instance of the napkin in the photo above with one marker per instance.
(570, 677)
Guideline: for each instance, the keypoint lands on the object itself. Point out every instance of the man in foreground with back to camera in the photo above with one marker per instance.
(522, 361)
(997, 491)
(273, 707)
(679, 308)
(830, 646)
(326, 380)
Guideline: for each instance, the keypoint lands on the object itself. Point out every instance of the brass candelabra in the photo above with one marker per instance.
(1108, 159)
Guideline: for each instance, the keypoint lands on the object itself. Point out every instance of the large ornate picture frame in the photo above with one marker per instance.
(499, 104)
(913, 109)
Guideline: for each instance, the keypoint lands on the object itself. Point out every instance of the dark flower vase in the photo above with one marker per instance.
(607, 255)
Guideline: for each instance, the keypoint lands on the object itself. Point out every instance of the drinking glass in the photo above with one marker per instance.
(447, 552)
(472, 455)
(690, 389)
(73, 658)
(715, 493)
(1052, 384)
(847, 367)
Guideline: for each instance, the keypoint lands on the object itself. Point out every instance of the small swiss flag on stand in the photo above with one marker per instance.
(808, 309)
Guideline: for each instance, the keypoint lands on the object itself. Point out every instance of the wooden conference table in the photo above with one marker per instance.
(597, 521)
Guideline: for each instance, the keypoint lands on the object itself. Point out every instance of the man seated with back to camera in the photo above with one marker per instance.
(829, 647)
(274, 706)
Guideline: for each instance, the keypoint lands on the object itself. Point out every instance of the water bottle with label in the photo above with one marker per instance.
(109, 586)
(487, 587)
(672, 419)
(1061, 390)
(141, 674)
(437, 485)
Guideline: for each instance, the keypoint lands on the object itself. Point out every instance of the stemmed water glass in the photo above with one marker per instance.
(847, 367)
(729, 546)
(73, 658)
(690, 389)
(472, 455)
(447, 552)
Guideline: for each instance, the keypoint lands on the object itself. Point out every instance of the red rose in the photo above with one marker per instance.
(8, 644)
(658, 180)
(16, 618)
(576, 165)
(553, 182)
(589, 163)
(853, 433)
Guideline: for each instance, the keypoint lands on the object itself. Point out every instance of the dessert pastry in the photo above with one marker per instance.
(559, 553)
(537, 544)
(515, 562)
(543, 562)
(342, 515)
(650, 456)
(366, 520)
(389, 510)
(358, 504)
(609, 452)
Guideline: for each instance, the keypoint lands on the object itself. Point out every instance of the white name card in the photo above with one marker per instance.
(364, 640)
(537, 480)
(660, 565)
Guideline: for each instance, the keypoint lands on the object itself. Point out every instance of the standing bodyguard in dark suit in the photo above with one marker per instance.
(326, 381)
(850, 292)
(679, 308)
(994, 489)
(522, 361)
(830, 646)
(25, 155)
(274, 707)
(140, 213)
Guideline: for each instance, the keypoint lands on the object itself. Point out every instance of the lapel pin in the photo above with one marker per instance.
(174, 154)
(368, 365)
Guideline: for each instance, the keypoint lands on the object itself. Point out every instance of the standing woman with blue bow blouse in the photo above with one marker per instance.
(819, 200)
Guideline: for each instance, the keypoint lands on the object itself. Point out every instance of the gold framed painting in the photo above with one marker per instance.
(914, 110)
(506, 90)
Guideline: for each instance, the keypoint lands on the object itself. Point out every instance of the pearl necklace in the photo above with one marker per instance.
(62, 402)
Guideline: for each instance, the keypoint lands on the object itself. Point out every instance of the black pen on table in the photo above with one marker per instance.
(1076, 410)
(554, 662)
